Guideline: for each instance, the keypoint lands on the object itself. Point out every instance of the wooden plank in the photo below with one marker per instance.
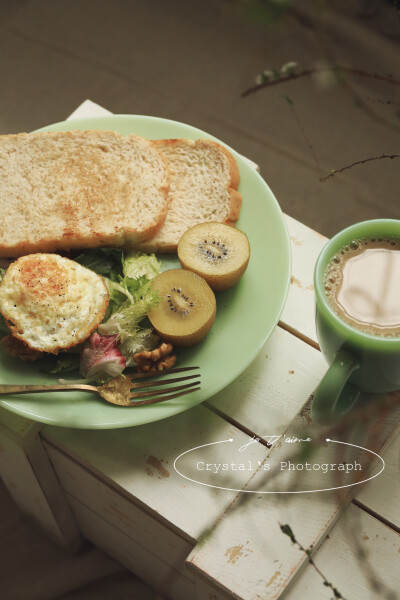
(29, 477)
(381, 496)
(266, 397)
(242, 552)
(299, 313)
(20, 429)
(262, 400)
(138, 462)
(168, 582)
(338, 559)
(118, 511)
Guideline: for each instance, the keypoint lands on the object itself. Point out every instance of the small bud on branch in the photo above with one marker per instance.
(291, 70)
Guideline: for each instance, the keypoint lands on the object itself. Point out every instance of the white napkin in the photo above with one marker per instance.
(89, 109)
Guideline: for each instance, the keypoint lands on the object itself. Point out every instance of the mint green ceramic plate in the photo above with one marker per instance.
(246, 315)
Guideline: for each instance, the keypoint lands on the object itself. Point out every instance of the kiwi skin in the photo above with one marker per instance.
(218, 282)
(186, 341)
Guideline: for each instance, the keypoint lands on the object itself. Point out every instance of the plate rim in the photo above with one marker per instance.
(250, 357)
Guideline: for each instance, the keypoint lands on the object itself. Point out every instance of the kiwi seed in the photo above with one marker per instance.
(178, 302)
(213, 250)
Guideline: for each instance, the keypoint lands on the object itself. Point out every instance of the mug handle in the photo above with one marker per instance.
(334, 396)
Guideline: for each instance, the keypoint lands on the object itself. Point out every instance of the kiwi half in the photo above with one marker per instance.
(220, 253)
(187, 308)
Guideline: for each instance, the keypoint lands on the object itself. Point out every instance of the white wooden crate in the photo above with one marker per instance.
(120, 488)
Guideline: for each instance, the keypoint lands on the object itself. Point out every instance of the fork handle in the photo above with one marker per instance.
(27, 389)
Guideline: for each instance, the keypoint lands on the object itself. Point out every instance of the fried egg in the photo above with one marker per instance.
(51, 302)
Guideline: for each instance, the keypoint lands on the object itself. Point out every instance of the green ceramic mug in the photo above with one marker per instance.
(358, 361)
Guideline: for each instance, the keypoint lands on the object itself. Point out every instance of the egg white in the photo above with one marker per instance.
(51, 302)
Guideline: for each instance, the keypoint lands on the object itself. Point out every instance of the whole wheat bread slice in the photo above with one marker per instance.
(204, 178)
(62, 190)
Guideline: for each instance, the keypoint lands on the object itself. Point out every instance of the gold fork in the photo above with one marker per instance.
(119, 389)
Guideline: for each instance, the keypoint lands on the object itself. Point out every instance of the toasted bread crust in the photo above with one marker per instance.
(234, 169)
(157, 243)
(91, 160)
(235, 206)
(161, 247)
(70, 241)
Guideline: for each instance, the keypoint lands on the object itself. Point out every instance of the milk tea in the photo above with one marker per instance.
(362, 285)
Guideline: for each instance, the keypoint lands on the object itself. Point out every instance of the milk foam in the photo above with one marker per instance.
(362, 285)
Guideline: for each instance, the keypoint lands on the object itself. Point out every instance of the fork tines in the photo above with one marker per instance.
(167, 393)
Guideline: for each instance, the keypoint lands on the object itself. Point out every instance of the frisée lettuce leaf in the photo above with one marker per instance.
(143, 340)
(131, 300)
(128, 279)
(138, 264)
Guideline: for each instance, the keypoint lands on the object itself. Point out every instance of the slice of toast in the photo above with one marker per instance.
(79, 189)
(204, 178)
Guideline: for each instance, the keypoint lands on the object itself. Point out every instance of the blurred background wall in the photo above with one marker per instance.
(191, 61)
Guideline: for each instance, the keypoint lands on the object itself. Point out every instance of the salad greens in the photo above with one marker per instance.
(128, 279)
(101, 358)
(138, 264)
(64, 363)
(125, 329)
(107, 262)
(135, 297)
(130, 301)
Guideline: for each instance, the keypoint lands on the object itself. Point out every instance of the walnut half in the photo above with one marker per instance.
(155, 361)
